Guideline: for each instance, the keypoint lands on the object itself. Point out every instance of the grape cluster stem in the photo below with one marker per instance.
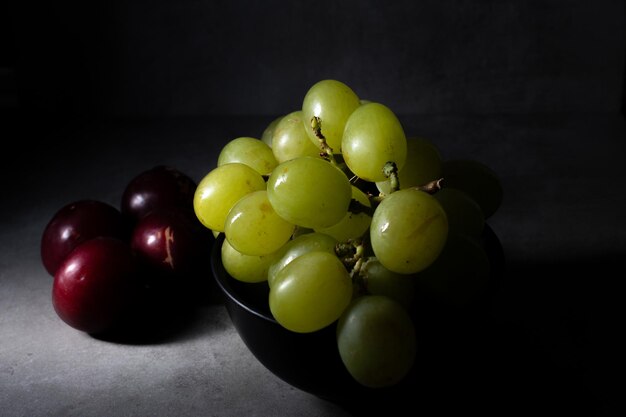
(326, 150)
(430, 187)
(352, 254)
(391, 171)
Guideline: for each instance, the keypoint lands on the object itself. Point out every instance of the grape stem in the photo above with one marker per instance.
(326, 151)
(391, 171)
(351, 254)
(360, 276)
(346, 251)
(430, 187)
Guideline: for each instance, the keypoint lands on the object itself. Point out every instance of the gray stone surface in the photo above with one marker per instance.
(48, 368)
(562, 225)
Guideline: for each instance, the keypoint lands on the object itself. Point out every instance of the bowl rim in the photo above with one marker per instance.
(221, 277)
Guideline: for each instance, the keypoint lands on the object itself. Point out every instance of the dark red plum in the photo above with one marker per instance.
(95, 285)
(161, 187)
(74, 224)
(167, 242)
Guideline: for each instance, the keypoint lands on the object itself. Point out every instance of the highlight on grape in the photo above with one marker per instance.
(348, 219)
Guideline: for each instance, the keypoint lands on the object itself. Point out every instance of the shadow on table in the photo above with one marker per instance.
(542, 343)
(162, 316)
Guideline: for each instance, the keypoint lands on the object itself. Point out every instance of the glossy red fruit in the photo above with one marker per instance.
(74, 224)
(161, 187)
(95, 285)
(167, 242)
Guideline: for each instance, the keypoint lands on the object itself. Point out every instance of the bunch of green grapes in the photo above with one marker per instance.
(297, 210)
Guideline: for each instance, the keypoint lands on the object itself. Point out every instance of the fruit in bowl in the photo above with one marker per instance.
(312, 362)
(329, 261)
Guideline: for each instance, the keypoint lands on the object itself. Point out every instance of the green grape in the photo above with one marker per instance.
(220, 189)
(373, 136)
(290, 139)
(310, 292)
(309, 192)
(459, 274)
(245, 268)
(376, 341)
(464, 214)
(253, 228)
(408, 231)
(381, 281)
(332, 101)
(249, 151)
(268, 132)
(311, 242)
(423, 165)
(477, 180)
(353, 225)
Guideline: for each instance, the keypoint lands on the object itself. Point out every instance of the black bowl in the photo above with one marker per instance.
(311, 361)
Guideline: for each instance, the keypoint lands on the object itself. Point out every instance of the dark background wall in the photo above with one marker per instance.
(199, 57)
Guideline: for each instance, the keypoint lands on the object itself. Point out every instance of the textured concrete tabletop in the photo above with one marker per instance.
(562, 225)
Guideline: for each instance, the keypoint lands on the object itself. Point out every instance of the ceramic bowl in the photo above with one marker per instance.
(311, 361)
